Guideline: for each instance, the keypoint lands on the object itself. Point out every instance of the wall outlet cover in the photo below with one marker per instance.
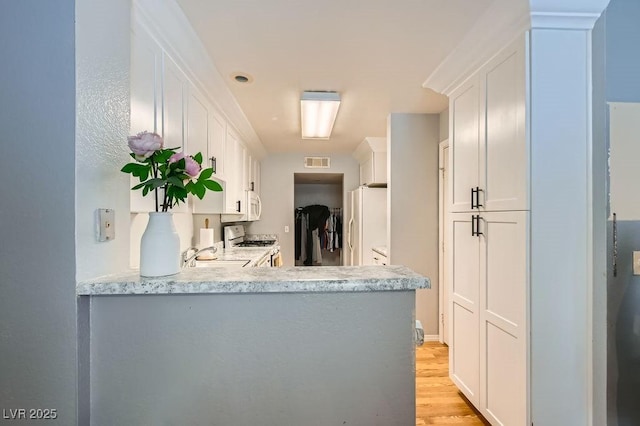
(636, 263)
(106, 225)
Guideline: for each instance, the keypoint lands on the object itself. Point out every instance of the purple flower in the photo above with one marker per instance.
(145, 144)
(191, 166)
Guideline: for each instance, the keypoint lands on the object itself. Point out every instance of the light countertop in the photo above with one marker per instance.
(259, 280)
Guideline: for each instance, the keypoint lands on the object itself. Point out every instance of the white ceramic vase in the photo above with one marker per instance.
(160, 247)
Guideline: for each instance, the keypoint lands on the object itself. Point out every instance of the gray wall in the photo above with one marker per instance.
(277, 194)
(616, 55)
(329, 194)
(37, 211)
(288, 359)
(412, 156)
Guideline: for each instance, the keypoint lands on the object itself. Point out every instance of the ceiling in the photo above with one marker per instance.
(376, 54)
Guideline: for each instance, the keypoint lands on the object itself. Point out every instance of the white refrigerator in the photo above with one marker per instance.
(367, 225)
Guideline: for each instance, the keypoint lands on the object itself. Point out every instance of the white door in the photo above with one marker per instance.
(464, 266)
(443, 200)
(503, 317)
(463, 110)
(504, 169)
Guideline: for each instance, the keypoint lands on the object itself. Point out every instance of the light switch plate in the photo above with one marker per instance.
(636, 263)
(286, 228)
(106, 224)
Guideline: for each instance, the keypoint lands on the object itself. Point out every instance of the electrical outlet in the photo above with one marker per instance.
(636, 263)
(286, 228)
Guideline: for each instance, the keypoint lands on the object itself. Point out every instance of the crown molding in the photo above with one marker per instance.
(165, 21)
(501, 23)
(570, 21)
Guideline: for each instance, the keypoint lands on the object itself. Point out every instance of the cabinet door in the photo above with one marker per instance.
(504, 171)
(503, 317)
(146, 89)
(231, 173)
(463, 265)
(366, 170)
(463, 159)
(217, 135)
(255, 176)
(379, 167)
(199, 134)
(174, 98)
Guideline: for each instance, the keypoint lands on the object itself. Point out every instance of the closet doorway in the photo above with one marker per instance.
(319, 221)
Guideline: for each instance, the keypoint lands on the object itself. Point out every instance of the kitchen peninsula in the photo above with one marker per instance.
(239, 346)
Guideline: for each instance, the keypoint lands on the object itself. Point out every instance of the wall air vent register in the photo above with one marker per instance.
(317, 162)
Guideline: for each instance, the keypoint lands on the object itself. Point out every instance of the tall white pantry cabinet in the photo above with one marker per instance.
(488, 237)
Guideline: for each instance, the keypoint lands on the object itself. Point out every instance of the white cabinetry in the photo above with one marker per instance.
(489, 143)
(158, 102)
(146, 84)
(372, 156)
(378, 259)
(235, 195)
(488, 239)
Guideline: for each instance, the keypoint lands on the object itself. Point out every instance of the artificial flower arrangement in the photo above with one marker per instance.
(175, 172)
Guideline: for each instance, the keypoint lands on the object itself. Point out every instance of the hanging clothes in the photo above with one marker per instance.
(317, 216)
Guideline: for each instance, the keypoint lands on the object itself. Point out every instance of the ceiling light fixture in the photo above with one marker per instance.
(318, 113)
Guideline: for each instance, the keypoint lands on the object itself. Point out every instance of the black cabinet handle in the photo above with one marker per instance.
(238, 208)
(213, 164)
(475, 226)
(475, 203)
(253, 186)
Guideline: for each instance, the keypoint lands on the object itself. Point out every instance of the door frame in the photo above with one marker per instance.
(443, 212)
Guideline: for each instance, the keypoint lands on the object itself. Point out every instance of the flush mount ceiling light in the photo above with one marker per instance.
(318, 113)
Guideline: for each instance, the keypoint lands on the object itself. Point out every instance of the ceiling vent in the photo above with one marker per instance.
(317, 162)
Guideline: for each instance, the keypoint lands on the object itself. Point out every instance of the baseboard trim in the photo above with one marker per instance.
(431, 338)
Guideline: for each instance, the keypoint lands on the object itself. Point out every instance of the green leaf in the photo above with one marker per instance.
(175, 181)
(138, 186)
(212, 185)
(145, 190)
(200, 190)
(198, 158)
(205, 174)
(156, 183)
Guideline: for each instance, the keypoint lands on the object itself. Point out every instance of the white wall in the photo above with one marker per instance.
(444, 124)
(325, 194)
(37, 225)
(412, 156)
(277, 194)
(102, 99)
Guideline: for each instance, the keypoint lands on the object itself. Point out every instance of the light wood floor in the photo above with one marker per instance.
(438, 401)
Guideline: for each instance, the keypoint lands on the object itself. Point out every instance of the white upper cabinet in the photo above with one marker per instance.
(235, 195)
(217, 135)
(255, 175)
(200, 134)
(174, 100)
(464, 146)
(146, 104)
(372, 156)
(488, 136)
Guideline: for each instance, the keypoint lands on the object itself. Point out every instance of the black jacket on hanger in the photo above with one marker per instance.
(318, 216)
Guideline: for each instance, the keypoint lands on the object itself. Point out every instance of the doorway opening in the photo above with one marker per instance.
(318, 218)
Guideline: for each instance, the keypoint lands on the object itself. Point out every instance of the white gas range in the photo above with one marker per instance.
(234, 237)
